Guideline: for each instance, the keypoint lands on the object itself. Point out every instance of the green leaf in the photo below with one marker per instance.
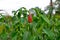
(7, 27)
(49, 33)
(3, 35)
(44, 17)
(13, 34)
(26, 36)
(15, 37)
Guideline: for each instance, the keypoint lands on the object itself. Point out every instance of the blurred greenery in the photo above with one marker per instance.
(18, 28)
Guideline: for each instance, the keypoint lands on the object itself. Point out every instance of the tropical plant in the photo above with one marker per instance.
(21, 27)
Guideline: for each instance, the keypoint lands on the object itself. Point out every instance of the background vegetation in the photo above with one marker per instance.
(32, 24)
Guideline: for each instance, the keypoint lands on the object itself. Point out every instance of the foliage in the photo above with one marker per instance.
(18, 28)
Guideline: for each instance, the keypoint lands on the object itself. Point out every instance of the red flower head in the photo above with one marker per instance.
(30, 18)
